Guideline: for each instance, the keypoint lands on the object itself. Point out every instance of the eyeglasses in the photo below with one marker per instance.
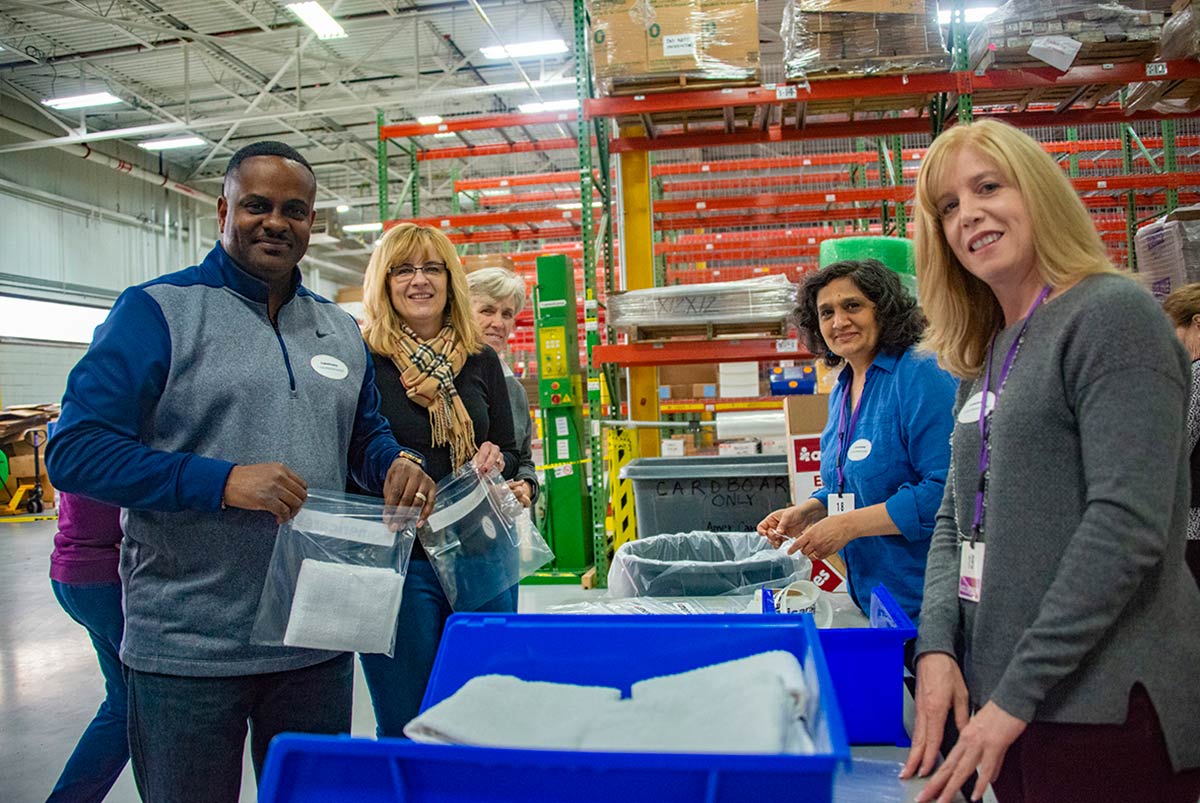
(406, 272)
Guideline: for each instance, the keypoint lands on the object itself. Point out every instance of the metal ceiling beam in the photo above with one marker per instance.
(219, 122)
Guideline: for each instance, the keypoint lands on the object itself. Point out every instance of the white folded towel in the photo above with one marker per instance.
(750, 705)
(343, 607)
(504, 711)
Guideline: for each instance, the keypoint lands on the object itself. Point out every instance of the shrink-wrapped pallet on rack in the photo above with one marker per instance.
(1160, 256)
(646, 45)
(839, 38)
(1034, 33)
(1180, 40)
(753, 302)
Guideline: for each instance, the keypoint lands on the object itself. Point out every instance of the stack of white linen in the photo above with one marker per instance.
(756, 704)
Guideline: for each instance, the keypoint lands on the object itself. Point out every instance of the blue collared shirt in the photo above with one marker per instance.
(906, 415)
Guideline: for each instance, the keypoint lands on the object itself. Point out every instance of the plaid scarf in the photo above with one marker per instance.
(427, 370)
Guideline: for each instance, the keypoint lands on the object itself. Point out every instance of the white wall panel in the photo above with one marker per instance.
(35, 374)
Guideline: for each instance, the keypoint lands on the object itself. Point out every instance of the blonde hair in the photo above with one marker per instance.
(1183, 305)
(962, 310)
(498, 284)
(381, 328)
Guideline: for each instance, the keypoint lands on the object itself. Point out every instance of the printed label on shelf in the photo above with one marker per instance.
(830, 198)
(560, 427)
(562, 450)
(704, 168)
(679, 44)
(595, 429)
(785, 93)
(445, 224)
(593, 386)
(558, 302)
(1100, 185)
(589, 304)
(1156, 68)
(591, 326)
(503, 182)
(701, 205)
(787, 344)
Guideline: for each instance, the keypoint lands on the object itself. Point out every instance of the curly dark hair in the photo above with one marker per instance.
(900, 320)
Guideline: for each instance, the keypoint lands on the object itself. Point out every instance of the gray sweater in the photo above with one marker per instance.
(522, 429)
(1085, 590)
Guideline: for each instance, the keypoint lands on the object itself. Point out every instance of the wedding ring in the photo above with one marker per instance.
(420, 497)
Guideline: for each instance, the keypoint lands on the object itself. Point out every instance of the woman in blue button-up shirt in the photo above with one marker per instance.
(886, 447)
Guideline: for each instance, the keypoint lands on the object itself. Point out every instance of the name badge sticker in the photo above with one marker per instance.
(969, 414)
(859, 450)
(329, 366)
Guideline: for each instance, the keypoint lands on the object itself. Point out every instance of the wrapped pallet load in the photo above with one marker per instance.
(1180, 40)
(1034, 33)
(834, 38)
(640, 45)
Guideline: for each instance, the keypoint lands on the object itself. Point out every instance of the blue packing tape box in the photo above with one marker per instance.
(590, 650)
(789, 380)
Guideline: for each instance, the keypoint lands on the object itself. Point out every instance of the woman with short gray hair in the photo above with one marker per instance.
(497, 297)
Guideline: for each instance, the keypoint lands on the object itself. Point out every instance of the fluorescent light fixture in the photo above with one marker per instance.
(575, 205)
(356, 228)
(317, 18)
(172, 143)
(525, 50)
(429, 119)
(971, 15)
(82, 101)
(47, 320)
(494, 193)
(343, 208)
(549, 106)
(444, 135)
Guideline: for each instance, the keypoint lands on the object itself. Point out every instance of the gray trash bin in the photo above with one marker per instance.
(715, 494)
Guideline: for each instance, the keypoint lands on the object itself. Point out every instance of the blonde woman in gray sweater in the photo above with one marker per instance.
(1058, 625)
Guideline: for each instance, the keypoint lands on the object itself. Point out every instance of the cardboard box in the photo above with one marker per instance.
(740, 447)
(479, 261)
(649, 40)
(348, 295)
(671, 447)
(805, 418)
(690, 374)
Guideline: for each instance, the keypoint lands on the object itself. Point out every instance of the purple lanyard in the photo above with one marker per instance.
(845, 432)
(985, 415)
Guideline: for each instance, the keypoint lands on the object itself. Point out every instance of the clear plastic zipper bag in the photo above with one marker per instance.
(480, 540)
(336, 575)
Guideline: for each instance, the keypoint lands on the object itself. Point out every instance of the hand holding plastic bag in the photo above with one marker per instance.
(337, 575)
(480, 540)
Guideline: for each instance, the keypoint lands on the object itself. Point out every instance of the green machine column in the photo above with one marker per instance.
(568, 523)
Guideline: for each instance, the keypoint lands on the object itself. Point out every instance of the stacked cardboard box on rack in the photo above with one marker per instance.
(639, 45)
(838, 38)
(1180, 40)
(1033, 33)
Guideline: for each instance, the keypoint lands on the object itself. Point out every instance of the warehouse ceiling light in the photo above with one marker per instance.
(82, 101)
(971, 15)
(525, 50)
(343, 208)
(317, 18)
(444, 135)
(548, 106)
(575, 205)
(355, 228)
(429, 119)
(171, 143)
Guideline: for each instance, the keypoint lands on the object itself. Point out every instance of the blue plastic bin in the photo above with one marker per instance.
(867, 665)
(609, 650)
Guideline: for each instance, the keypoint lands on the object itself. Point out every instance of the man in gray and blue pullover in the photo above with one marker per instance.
(210, 400)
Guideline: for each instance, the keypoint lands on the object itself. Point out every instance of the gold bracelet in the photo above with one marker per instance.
(414, 458)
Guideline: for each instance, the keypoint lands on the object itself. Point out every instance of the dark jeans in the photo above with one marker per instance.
(1192, 556)
(187, 734)
(1066, 763)
(103, 749)
(398, 684)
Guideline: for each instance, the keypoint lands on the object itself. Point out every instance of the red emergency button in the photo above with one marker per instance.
(554, 386)
(555, 398)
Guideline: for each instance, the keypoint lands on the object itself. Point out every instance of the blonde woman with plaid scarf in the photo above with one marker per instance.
(443, 392)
